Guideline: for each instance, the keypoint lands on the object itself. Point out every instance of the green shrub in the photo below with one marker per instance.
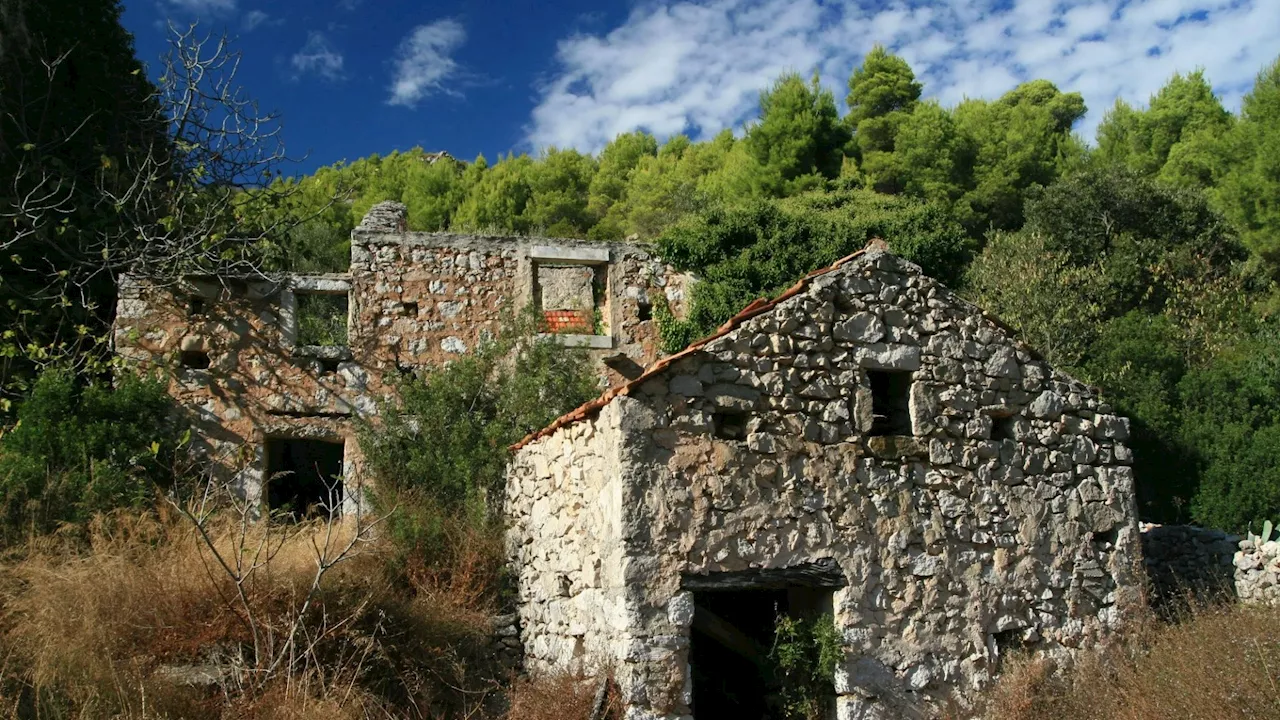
(804, 656)
(440, 452)
(78, 449)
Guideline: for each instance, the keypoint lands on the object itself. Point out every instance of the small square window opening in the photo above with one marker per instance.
(890, 402)
(322, 318)
(195, 306)
(195, 359)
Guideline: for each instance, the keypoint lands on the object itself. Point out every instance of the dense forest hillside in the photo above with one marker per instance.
(1144, 263)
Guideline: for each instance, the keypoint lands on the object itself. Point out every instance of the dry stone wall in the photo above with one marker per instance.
(999, 516)
(563, 507)
(241, 369)
(1184, 560)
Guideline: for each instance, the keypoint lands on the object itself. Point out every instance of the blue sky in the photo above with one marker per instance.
(354, 77)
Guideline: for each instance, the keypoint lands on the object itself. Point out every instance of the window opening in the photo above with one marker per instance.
(570, 298)
(195, 306)
(730, 425)
(322, 318)
(195, 359)
(890, 402)
(1002, 428)
(409, 309)
(645, 311)
(304, 477)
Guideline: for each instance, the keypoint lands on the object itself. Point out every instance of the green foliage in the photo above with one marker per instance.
(1020, 141)
(74, 102)
(759, 249)
(1249, 189)
(322, 319)
(81, 449)
(1145, 139)
(1232, 420)
(442, 448)
(804, 657)
(798, 140)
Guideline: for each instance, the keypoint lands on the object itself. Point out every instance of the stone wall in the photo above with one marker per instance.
(1210, 565)
(242, 370)
(1000, 517)
(566, 548)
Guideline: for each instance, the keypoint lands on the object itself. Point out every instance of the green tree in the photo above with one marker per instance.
(1020, 141)
(1144, 139)
(759, 249)
(559, 185)
(798, 139)
(497, 196)
(616, 165)
(74, 104)
(883, 92)
(1249, 191)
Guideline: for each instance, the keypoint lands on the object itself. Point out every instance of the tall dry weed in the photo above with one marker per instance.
(1217, 662)
(91, 627)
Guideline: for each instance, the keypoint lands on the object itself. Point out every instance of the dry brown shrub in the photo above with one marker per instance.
(559, 697)
(1219, 662)
(87, 624)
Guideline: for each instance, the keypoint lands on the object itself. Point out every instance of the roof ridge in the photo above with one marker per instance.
(755, 307)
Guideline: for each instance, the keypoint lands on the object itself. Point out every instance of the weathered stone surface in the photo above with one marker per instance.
(566, 287)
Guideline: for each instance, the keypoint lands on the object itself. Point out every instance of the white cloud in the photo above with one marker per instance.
(253, 19)
(424, 61)
(318, 56)
(697, 66)
(202, 7)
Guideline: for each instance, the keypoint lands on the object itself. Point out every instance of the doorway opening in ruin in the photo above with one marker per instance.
(735, 621)
(304, 477)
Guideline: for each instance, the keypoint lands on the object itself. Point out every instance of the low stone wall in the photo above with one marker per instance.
(1209, 565)
(505, 644)
(1257, 567)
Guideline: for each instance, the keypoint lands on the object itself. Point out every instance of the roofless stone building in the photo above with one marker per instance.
(867, 447)
(273, 372)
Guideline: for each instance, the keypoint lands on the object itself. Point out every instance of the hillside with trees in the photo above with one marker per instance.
(1145, 263)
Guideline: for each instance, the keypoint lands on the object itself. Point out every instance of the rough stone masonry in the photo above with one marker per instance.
(955, 496)
(251, 364)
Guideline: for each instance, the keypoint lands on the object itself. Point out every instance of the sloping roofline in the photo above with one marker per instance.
(757, 307)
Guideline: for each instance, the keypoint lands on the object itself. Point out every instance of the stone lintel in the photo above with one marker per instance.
(592, 342)
(824, 572)
(567, 254)
(321, 283)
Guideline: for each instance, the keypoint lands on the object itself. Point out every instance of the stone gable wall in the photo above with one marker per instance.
(956, 547)
(415, 300)
(563, 509)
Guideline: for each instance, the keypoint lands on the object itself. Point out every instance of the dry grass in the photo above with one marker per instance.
(561, 697)
(87, 631)
(1217, 662)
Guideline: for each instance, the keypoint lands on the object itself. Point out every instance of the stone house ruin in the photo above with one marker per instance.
(273, 372)
(868, 447)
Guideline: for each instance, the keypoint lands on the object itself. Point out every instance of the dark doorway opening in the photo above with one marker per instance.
(731, 638)
(304, 477)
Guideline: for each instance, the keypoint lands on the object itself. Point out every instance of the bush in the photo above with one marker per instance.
(438, 455)
(79, 449)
